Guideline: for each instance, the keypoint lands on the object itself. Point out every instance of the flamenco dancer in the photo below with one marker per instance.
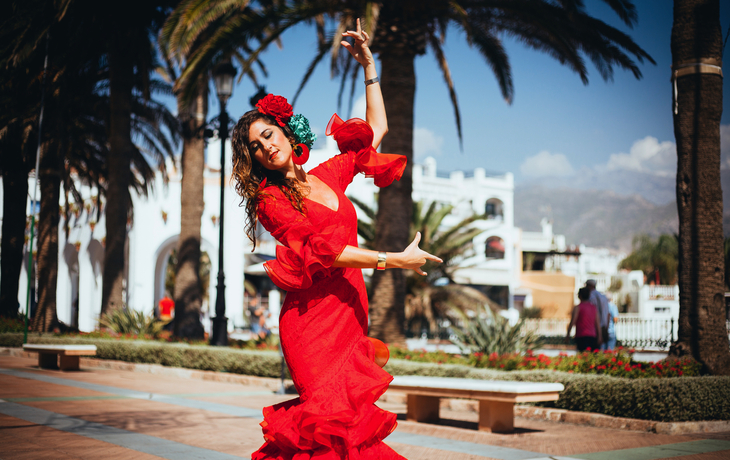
(324, 319)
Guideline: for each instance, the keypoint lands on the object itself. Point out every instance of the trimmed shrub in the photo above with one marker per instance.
(198, 357)
(663, 400)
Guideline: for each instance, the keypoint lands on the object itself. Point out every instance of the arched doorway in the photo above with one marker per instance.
(494, 248)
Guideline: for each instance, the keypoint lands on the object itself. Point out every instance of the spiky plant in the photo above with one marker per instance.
(128, 321)
(488, 333)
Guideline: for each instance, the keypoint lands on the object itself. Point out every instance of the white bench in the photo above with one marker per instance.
(49, 355)
(496, 398)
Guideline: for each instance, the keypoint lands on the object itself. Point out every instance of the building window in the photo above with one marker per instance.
(495, 248)
(494, 209)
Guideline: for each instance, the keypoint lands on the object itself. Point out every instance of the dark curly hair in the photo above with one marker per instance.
(249, 173)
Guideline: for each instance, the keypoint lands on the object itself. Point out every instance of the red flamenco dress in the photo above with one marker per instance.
(324, 319)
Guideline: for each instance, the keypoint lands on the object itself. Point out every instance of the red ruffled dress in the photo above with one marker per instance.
(324, 319)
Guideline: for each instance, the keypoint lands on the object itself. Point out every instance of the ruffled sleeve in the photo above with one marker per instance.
(355, 140)
(305, 253)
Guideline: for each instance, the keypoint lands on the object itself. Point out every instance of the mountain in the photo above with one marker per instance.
(597, 218)
(605, 210)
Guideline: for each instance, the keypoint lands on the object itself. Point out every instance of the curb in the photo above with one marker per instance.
(528, 412)
(620, 423)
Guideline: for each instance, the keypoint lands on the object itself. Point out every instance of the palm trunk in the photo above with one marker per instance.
(45, 319)
(121, 75)
(696, 35)
(15, 185)
(188, 296)
(395, 202)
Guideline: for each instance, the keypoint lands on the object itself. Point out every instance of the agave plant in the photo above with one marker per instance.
(489, 333)
(126, 321)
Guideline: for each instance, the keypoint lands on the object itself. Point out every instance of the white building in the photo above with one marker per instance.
(153, 234)
(495, 268)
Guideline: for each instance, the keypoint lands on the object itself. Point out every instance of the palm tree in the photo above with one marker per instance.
(185, 31)
(17, 153)
(697, 38)
(657, 258)
(405, 29)
(75, 142)
(435, 297)
(128, 49)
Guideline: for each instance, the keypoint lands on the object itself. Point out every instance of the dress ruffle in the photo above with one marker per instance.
(355, 135)
(337, 420)
(308, 254)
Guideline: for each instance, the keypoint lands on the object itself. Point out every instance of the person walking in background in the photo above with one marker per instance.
(612, 320)
(601, 302)
(586, 322)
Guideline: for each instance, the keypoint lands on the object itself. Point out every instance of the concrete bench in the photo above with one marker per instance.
(68, 355)
(496, 398)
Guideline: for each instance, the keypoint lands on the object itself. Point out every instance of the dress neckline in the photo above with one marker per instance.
(331, 189)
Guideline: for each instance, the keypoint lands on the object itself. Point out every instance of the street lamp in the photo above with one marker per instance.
(223, 76)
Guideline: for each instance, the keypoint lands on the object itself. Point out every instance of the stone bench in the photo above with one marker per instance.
(68, 355)
(496, 398)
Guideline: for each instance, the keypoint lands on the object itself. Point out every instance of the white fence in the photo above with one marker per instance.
(647, 334)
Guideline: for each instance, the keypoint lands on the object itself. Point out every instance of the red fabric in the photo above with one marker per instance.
(585, 326)
(323, 322)
(355, 136)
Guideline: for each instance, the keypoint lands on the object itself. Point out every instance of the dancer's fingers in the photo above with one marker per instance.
(434, 258)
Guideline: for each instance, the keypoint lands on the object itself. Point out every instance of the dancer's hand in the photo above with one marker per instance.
(414, 257)
(359, 50)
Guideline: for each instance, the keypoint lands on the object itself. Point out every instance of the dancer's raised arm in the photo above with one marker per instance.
(375, 111)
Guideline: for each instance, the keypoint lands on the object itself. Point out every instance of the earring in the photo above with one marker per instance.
(301, 154)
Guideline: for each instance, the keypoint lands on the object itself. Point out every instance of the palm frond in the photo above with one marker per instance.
(444, 66)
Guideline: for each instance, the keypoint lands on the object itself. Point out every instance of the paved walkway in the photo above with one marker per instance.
(99, 414)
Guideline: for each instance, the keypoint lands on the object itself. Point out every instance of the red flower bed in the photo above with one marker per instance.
(618, 363)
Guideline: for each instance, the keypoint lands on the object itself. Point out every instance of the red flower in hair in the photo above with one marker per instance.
(277, 107)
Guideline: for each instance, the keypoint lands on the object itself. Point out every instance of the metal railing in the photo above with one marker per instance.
(647, 334)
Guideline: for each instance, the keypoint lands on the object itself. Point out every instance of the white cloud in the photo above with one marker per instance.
(547, 164)
(724, 146)
(647, 155)
(426, 143)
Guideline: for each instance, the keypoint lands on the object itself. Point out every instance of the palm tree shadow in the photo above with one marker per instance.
(470, 425)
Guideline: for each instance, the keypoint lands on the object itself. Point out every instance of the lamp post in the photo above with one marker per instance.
(223, 79)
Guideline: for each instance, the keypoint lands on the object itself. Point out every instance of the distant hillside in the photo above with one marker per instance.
(605, 218)
(595, 218)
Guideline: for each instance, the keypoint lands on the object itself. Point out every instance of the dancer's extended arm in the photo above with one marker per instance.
(412, 257)
(375, 111)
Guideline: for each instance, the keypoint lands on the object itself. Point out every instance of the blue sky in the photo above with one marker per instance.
(555, 126)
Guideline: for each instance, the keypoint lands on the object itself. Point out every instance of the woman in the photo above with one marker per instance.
(323, 322)
(587, 323)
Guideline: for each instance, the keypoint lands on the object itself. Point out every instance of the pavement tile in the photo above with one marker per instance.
(228, 433)
(21, 439)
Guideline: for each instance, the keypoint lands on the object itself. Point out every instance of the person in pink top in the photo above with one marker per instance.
(587, 323)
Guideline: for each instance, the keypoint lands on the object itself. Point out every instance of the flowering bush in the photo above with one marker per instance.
(423, 356)
(617, 363)
(16, 324)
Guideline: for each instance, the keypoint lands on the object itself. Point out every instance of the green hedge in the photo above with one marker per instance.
(198, 357)
(666, 400)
